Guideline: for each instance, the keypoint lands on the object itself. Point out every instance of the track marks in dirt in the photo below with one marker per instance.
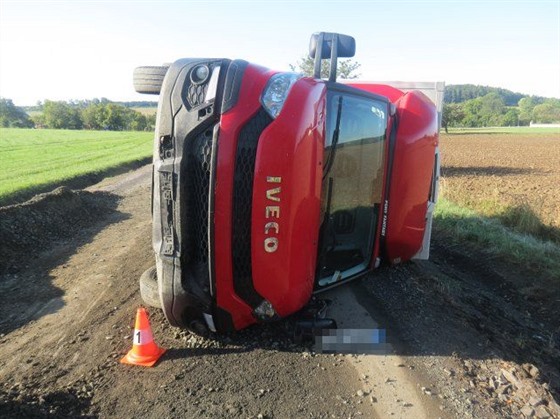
(462, 323)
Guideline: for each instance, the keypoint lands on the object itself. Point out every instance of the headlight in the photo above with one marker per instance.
(200, 74)
(276, 92)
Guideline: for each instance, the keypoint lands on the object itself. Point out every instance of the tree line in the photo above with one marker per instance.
(491, 110)
(458, 93)
(13, 116)
(464, 106)
(96, 114)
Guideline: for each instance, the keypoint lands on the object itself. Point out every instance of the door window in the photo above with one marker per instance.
(352, 184)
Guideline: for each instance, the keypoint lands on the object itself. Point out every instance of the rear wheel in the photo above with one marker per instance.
(149, 288)
(149, 79)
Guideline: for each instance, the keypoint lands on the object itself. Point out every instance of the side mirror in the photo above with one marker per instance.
(330, 45)
(345, 45)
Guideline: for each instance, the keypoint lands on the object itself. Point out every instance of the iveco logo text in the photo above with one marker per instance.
(271, 228)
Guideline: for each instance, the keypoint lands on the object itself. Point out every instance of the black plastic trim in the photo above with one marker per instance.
(232, 85)
(211, 202)
(246, 155)
(386, 196)
(189, 129)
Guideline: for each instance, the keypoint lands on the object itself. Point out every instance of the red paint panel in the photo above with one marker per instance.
(290, 152)
(417, 137)
(231, 123)
(392, 93)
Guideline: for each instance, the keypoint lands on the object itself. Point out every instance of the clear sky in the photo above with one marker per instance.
(62, 50)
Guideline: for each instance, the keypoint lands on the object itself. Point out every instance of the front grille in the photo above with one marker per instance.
(196, 93)
(196, 189)
(242, 202)
(199, 164)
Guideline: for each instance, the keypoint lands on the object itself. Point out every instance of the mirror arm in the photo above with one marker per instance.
(318, 56)
(334, 56)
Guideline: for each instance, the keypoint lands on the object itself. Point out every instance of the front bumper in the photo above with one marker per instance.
(184, 166)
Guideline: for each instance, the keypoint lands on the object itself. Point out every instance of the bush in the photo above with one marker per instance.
(12, 116)
(93, 115)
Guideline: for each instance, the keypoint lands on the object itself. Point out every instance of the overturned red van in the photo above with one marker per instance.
(271, 186)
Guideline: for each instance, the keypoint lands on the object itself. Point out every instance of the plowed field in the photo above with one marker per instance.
(513, 177)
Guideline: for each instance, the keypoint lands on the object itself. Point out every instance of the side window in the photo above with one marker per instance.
(360, 120)
(359, 157)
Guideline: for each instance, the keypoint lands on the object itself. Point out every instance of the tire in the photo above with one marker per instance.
(149, 79)
(149, 288)
(199, 328)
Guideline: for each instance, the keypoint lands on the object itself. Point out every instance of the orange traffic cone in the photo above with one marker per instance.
(144, 350)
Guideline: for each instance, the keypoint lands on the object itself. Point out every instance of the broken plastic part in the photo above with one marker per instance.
(265, 311)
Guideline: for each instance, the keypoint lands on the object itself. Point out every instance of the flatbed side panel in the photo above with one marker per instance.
(286, 199)
(413, 162)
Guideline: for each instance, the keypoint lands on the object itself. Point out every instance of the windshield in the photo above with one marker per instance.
(352, 185)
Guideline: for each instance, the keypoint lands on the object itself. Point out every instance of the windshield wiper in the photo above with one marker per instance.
(334, 141)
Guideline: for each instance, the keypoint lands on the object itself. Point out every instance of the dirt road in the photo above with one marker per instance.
(461, 342)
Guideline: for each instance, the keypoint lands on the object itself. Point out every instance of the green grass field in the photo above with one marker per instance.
(31, 159)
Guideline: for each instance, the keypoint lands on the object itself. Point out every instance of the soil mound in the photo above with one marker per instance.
(31, 227)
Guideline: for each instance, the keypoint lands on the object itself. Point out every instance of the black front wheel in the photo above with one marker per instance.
(149, 288)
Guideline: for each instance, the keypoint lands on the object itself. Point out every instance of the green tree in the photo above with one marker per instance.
(510, 118)
(138, 122)
(526, 106)
(150, 122)
(92, 117)
(491, 109)
(471, 109)
(547, 112)
(116, 118)
(38, 120)
(345, 69)
(13, 116)
(452, 115)
(458, 93)
(60, 115)
(111, 116)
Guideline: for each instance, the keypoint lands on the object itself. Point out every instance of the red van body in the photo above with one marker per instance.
(269, 187)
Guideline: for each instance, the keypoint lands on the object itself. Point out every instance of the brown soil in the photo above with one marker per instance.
(500, 172)
(463, 343)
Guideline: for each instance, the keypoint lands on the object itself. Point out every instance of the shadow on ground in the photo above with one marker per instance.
(37, 236)
(523, 219)
(51, 405)
(457, 171)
